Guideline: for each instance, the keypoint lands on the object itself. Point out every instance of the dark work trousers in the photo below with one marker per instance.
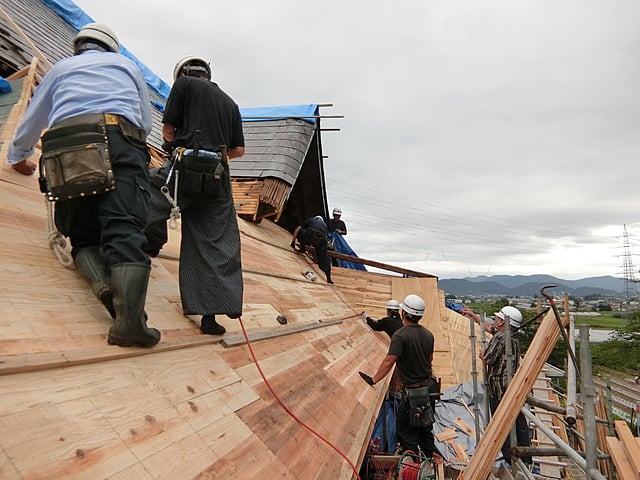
(411, 437)
(322, 257)
(114, 220)
(523, 438)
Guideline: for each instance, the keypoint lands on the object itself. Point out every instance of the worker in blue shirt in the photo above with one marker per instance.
(96, 109)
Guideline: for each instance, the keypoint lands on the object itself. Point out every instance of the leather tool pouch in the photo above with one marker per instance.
(420, 410)
(203, 177)
(75, 161)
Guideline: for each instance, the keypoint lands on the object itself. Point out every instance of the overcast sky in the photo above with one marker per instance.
(478, 138)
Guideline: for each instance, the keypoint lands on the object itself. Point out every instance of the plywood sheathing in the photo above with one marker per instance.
(93, 410)
(452, 355)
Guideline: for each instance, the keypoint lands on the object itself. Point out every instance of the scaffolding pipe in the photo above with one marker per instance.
(510, 356)
(570, 414)
(550, 452)
(570, 452)
(588, 395)
(474, 376)
(609, 405)
(483, 342)
(550, 407)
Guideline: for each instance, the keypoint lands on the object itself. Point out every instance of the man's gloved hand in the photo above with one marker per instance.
(167, 147)
(367, 378)
(364, 316)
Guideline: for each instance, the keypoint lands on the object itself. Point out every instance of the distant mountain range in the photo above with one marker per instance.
(529, 285)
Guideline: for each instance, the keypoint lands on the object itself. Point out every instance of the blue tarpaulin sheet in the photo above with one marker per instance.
(5, 86)
(75, 16)
(383, 438)
(341, 246)
(306, 112)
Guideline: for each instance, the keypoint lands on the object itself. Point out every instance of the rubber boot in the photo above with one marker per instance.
(129, 283)
(92, 266)
(209, 326)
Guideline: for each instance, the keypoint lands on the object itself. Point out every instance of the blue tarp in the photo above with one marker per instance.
(386, 439)
(306, 112)
(341, 246)
(456, 307)
(75, 16)
(5, 86)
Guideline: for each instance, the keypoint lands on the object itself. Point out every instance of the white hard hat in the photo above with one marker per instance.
(515, 317)
(189, 65)
(393, 305)
(413, 305)
(97, 32)
(337, 211)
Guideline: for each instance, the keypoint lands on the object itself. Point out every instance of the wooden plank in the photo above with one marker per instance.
(624, 469)
(630, 446)
(465, 427)
(33, 362)
(514, 398)
(448, 433)
(234, 340)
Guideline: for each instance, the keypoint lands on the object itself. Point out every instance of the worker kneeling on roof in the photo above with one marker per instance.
(313, 232)
(94, 166)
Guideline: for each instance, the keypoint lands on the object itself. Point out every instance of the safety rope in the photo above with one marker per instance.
(56, 241)
(286, 409)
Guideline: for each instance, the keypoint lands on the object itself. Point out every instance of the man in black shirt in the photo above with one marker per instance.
(388, 324)
(203, 130)
(411, 350)
(335, 224)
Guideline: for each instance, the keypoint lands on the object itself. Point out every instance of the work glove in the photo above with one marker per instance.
(364, 316)
(167, 147)
(367, 378)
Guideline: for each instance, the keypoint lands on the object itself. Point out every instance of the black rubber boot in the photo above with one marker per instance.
(129, 283)
(209, 326)
(92, 266)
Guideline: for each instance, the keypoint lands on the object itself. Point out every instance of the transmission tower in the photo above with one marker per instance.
(628, 270)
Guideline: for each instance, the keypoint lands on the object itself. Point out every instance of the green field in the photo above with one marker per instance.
(605, 322)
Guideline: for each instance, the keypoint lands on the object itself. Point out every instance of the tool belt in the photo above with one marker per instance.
(75, 159)
(316, 236)
(202, 174)
(420, 410)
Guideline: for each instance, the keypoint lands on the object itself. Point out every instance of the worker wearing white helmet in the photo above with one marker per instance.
(388, 324)
(514, 315)
(202, 124)
(411, 351)
(498, 376)
(95, 108)
(336, 224)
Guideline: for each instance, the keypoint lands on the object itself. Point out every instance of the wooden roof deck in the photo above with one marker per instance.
(194, 406)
